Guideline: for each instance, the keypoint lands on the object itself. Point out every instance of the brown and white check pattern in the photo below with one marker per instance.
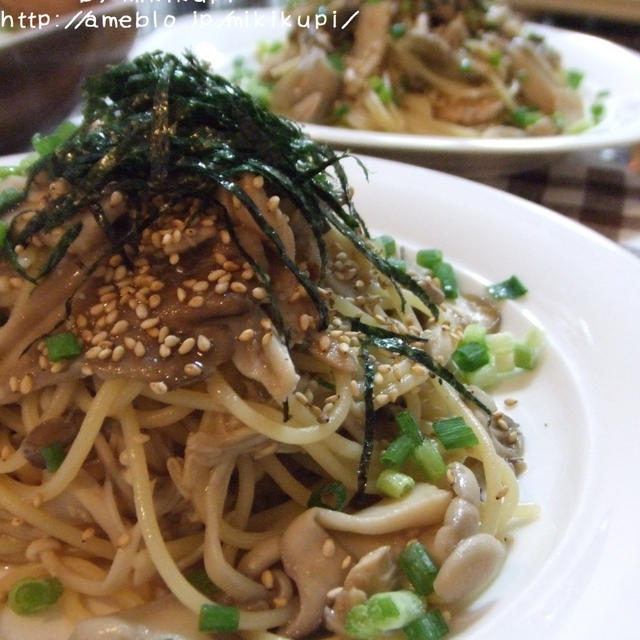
(599, 192)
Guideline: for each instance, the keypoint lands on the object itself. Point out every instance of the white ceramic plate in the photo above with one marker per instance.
(626, 10)
(573, 572)
(222, 36)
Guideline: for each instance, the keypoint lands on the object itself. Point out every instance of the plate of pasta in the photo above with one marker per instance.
(465, 93)
(248, 387)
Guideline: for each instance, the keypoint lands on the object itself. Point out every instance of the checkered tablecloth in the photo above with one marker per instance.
(596, 189)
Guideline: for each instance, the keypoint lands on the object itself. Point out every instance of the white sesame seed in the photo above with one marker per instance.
(164, 351)
(204, 344)
(139, 350)
(273, 203)
(259, 293)
(26, 384)
(154, 301)
(158, 387)
(304, 321)
(181, 293)
(149, 323)
(142, 311)
(93, 352)
(118, 353)
(172, 341)
(221, 287)
(195, 302)
(247, 335)
(258, 182)
(174, 258)
(192, 369)
(200, 286)
(225, 236)
(99, 337)
(214, 275)
(119, 327)
(238, 287)
(186, 346)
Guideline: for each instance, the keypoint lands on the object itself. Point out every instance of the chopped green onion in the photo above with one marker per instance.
(336, 61)
(200, 579)
(448, 283)
(507, 289)
(484, 377)
(574, 78)
(535, 37)
(394, 484)
(474, 332)
(340, 111)
(418, 568)
(63, 346)
(409, 427)
(431, 626)
(218, 618)
(495, 57)
(358, 624)
(387, 244)
(383, 612)
(428, 258)
(397, 30)
(597, 111)
(394, 609)
(53, 456)
(527, 352)
(470, 356)
(46, 144)
(330, 496)
(454, 433)
(269, 48)
(9, 197)
(13, 170)
(524, 117)
(3, 234)
(30, 595)
(466, 65)
(501, 346)
(429, 460)
(397, 452)
(559, 120)
(382, 89)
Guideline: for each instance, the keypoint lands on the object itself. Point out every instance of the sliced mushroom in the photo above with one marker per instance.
(424, 506)
(61, 430)
(375, 572)
(316, 564)
(470, 567)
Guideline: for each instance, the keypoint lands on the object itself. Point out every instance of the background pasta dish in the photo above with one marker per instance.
(463, 68)
(222, 399)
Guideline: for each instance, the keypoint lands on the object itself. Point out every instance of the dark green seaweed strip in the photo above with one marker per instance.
(369, 421)
(389, 341)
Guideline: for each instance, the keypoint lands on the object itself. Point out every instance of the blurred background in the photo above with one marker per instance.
(45, 53)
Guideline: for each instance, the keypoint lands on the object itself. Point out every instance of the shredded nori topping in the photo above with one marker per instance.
(165, 126)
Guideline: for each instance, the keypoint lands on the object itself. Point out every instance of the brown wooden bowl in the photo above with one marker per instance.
(42, 71)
